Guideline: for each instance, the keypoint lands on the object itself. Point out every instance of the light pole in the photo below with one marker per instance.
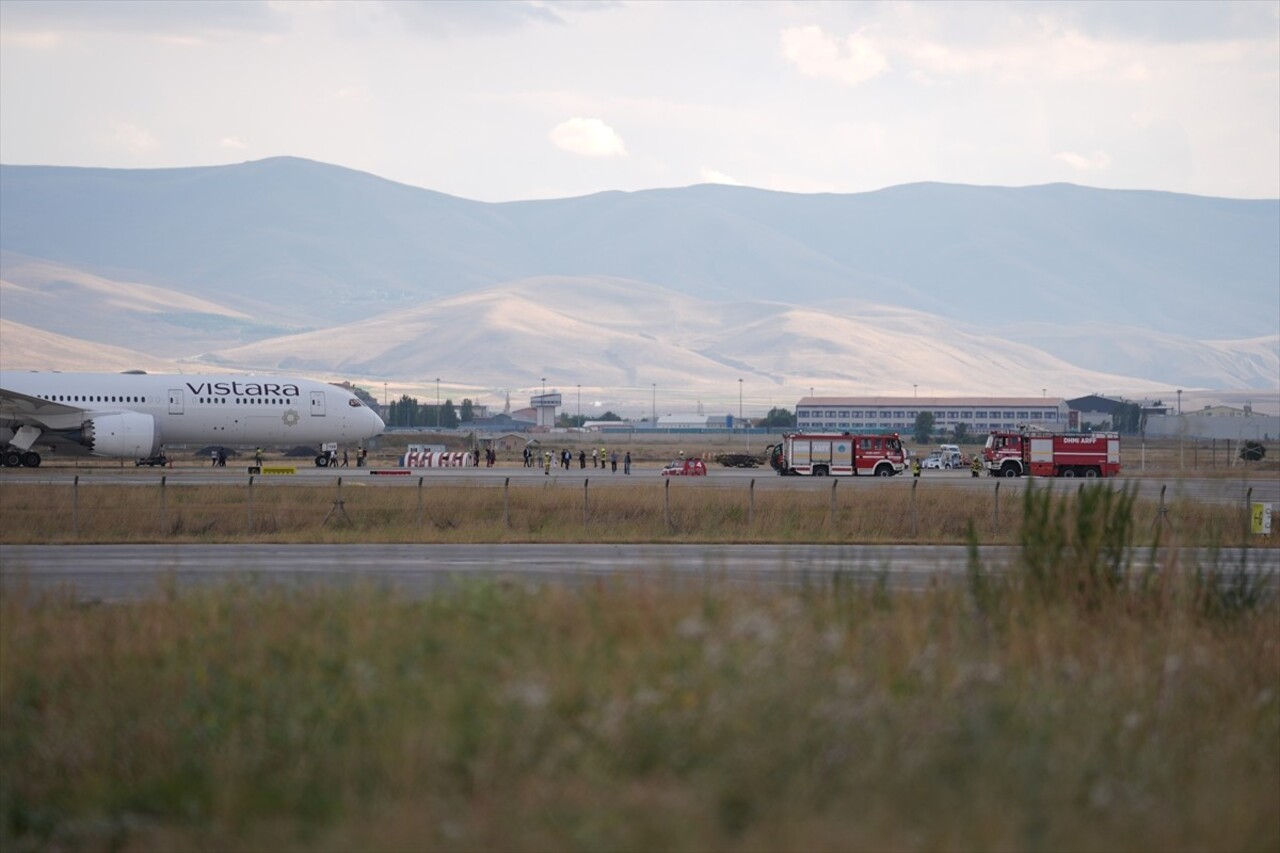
(653, 413)
(915, 390)
(740, 414)
(579, 404)
(437, 402)
(1182, 432)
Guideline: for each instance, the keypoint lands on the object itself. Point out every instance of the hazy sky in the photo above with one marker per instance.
(503, 100)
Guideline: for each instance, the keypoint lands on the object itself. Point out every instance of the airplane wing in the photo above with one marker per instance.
(19, 410)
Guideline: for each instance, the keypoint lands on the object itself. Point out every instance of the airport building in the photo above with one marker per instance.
(898, 414)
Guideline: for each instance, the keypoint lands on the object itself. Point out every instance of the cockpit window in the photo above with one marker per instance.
(354, 403)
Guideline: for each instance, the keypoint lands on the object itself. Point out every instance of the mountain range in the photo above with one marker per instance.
(292, 264)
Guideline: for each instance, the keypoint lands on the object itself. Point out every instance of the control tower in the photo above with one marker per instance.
(545, 405)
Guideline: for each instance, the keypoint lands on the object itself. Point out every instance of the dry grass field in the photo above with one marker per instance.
(557, 512)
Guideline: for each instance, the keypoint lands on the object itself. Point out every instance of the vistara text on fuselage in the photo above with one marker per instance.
(133, 415)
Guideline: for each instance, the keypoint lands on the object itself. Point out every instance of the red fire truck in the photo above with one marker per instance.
(1012, 454)
(838, 455)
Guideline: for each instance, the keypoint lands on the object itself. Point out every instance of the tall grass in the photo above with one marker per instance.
(1063, 705)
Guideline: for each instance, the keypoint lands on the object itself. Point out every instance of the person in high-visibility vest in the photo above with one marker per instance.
(976, 465)
(915, 466)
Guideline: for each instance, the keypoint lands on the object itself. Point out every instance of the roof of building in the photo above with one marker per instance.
(917, 402)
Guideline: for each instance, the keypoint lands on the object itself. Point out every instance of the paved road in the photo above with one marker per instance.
(126, 572)
(1199, 489)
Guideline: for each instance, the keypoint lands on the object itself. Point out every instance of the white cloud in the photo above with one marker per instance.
(232, 142)
(589, 137)
(130, 137)
(711, 176)
(1095, 162)
(853, 60)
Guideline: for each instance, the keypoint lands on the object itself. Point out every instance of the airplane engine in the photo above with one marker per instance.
(128, 434)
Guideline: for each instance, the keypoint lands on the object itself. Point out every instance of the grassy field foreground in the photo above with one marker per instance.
(1065, 705)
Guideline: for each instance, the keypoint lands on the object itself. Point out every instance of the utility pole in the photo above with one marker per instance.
(437, 402)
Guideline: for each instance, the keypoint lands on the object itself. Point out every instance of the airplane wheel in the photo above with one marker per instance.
(322, 461)
(31, 459)
(12, 459)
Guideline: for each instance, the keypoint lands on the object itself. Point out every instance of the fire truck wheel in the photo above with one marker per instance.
(1069, 473)
(1091, 473)
(820, 471)
(1009, 470)
(884, 471)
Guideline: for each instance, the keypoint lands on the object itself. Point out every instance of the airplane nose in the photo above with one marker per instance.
(377, 425)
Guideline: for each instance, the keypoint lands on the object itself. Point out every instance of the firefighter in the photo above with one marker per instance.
(976, 465)
(915, 466)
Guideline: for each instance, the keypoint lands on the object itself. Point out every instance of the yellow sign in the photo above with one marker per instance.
(1261, 518)
(279, 469)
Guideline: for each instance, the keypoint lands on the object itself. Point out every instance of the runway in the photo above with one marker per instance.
(131, 572)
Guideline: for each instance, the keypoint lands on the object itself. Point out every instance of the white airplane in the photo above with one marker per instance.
(134, 414)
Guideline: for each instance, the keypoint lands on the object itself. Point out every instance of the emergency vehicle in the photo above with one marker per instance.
(838, 455)
(1043, 454)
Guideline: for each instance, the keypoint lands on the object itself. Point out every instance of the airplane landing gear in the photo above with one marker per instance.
(14, 458)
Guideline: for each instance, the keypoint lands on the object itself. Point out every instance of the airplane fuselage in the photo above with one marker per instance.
(134, 414)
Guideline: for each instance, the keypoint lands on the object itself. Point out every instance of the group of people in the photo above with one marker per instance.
(600, 458)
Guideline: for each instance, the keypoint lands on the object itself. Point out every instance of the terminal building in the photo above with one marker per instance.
(898, 414)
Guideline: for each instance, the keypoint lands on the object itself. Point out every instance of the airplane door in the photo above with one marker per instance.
(317, 404)
(175, 401)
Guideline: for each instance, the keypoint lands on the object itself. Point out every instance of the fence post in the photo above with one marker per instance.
(751, 503)
(75, 507)
(834, 483)
(250, 503)
(1248, 516)
(420, 479)
(506, 502)
(666, 502)
(585, 508)
(163, 504)
(914, 483)
(995, 513)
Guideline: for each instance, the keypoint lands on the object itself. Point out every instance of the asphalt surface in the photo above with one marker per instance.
(131, 572)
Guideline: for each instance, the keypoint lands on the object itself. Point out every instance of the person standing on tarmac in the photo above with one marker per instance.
(546, 464)
(626, 463)
(976, 465)
(582, 459)
(613, 462)
(915, 466)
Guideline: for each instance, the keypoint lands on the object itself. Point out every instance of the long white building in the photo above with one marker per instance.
(898, 414)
